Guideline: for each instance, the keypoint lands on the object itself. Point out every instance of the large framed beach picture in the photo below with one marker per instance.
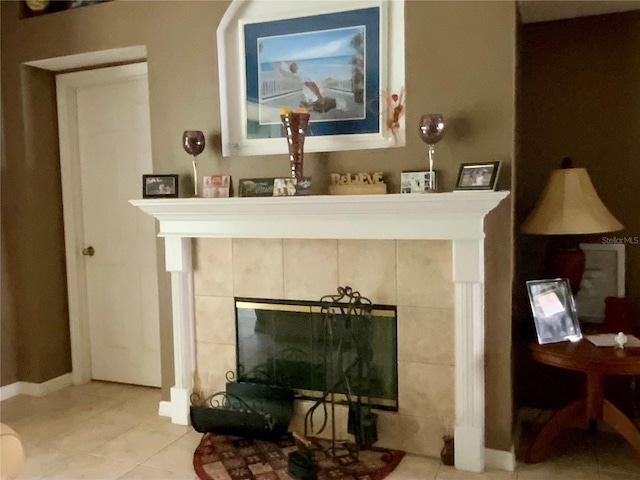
(328, 64)
(341, 61)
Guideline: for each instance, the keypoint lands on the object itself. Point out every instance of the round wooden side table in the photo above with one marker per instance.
(596, 363)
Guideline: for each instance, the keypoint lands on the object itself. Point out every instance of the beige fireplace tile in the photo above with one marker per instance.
(426, 335)
(425, 277)
(369, 266)
(213, 267)
(341, 417)
(300, 408)
(213, 361)
(426, 390)
(310, 268)
(417, 435)
(257, 268)
(215, 320)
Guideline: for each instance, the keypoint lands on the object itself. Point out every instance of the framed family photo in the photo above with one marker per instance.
(159, 186)
(339, 60)
(554, 310)
(478, 176)
(216, 186)
(274, 187)
(417, 182)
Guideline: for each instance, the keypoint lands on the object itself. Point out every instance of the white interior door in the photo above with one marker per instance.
(106, 114)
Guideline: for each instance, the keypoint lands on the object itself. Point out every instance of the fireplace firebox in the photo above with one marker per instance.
(296, 344)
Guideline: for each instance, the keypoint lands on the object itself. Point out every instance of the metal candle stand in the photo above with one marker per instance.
(431, 130)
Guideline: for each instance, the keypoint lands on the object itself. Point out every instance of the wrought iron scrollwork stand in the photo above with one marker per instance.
(348, 304)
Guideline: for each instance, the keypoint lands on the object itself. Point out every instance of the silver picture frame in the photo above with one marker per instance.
(554, 310)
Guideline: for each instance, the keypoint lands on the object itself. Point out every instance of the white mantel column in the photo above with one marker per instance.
(178, 262)
(468, 277)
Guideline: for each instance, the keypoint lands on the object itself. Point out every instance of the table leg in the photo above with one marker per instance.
(594, 396)
(621, 424)
(559, 421)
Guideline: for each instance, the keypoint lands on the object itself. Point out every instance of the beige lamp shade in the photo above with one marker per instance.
(570, 205)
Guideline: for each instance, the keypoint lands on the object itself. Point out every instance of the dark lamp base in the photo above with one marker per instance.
(568, 263)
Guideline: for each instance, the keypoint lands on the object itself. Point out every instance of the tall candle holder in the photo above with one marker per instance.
(431, 130)
(193, 143)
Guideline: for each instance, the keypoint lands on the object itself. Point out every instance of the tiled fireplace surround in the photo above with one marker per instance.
(415, 275)
(422, 253)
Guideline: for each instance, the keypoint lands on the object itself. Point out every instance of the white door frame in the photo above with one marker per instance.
(66, 91)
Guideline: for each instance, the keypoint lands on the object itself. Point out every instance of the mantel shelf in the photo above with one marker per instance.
(452, 215)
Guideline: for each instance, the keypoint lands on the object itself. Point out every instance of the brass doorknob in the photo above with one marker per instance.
(89, 251)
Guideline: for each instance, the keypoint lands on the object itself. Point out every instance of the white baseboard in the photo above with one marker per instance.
(500, 459)
(9, 391)
(164, 409)
(42, 389)
(36, 389)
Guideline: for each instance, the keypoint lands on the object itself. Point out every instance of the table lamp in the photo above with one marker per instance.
(569, 206)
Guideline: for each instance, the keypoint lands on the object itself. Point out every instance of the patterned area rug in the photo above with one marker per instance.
(224, 457)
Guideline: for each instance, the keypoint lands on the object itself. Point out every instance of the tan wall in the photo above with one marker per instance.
(32, 227)
(498, 356)
(8, 360)
(460, 61)
(8, 353)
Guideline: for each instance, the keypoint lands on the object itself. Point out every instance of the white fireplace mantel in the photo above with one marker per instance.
(455, 216)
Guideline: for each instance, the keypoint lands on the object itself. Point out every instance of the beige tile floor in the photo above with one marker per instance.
(111, 431)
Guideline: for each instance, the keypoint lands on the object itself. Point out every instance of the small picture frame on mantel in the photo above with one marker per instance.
(417, 182)
(216, 186)
(160, 186)
(478, 176)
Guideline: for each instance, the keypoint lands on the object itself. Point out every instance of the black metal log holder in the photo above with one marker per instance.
(244, 409)
(350, 305)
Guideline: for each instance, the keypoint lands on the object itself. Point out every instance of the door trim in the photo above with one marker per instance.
(67, 86)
